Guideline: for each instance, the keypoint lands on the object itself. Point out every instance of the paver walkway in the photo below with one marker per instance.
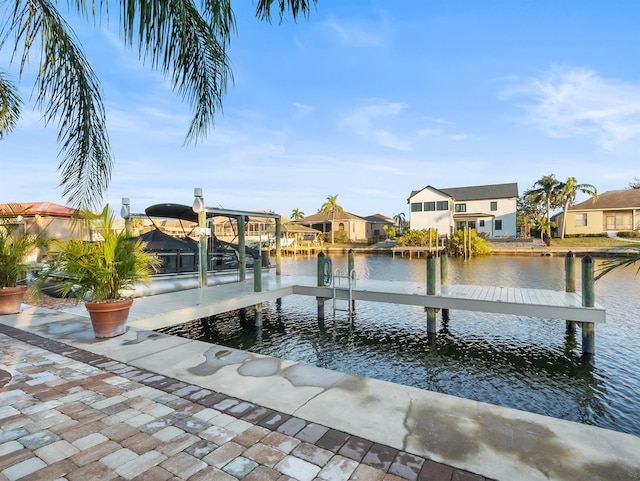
(66, 413)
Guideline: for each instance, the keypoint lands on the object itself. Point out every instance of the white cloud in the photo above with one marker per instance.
(365, 122)
(578, 102)
(355, 34)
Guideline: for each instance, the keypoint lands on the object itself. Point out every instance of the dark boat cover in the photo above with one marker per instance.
(158, 241)
(172, 211)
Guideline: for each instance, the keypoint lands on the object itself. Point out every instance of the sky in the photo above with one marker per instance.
(367, 100)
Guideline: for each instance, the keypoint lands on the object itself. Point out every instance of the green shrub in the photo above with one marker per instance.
(479, 246)
(629, 233)
(418, 238)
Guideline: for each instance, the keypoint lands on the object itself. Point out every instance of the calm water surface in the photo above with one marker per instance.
(521, 362)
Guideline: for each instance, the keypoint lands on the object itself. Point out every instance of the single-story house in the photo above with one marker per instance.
(376, 224)
(489, 209)
(612, 211)
(355, 226)
(54, 221)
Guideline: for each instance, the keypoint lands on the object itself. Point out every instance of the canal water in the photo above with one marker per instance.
(527, 363)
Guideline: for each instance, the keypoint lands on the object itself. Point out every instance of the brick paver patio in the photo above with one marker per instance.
(66, 413)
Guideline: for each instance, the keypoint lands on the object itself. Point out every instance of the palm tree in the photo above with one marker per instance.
(331, 206)
(297, 214)
(186, 42)
(568, 193)
(401, 221)
(545, 226)
(548, 189)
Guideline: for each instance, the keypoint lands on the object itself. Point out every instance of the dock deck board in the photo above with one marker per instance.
(173, 308)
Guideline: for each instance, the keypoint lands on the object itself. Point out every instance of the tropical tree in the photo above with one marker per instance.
(331, 207)
(297, 214)
(568, 194)
(401, 221)
(529, 210)
(545, 226)
(546, 189)
(635, 184)
(187, 42)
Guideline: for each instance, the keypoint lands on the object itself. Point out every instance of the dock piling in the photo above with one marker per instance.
(570, 281)
(351, 273)
(444, 277)
(431, 291)
(588, 300)
(257, 287)
(320, 279)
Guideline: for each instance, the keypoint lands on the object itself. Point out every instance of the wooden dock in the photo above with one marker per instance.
(163, 310)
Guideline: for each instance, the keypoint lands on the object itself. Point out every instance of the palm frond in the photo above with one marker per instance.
(10, 105)
(626, 260)
(296, 7)
(69, 94)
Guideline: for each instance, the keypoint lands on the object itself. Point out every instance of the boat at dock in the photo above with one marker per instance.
(180, 254)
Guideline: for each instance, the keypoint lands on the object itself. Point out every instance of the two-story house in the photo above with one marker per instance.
(489, 209)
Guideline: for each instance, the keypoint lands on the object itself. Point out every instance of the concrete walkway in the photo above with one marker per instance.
(151, 406)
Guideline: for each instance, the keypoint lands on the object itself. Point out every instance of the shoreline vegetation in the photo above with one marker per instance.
(595, 246)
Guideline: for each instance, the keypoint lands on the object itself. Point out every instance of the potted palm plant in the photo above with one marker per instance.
(14, 249)
(97, 272)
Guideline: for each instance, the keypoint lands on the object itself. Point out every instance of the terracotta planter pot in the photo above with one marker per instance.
(11, 299)
(109, 319)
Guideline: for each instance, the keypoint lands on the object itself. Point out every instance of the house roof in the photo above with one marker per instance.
(36, 208)
(326, 217)
(292, 228)
(379, 218)
(478, 192)
(611, 200)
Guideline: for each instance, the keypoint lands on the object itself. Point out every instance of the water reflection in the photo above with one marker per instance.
(531, 364)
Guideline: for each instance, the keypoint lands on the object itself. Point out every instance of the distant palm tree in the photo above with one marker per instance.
(297, 214)
(568, 193)
(401, 221)
(331, 206)
(545, 226)
(548, 189)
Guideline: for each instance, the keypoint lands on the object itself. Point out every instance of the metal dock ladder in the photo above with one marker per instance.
(337, 280)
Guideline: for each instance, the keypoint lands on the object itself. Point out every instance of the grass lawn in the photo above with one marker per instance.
(594, 242)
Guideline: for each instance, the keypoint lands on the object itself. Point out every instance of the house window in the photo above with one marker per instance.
(416, 207)
(442, 205)
(494, 205)
(581, 220)
(481, 223)
(429, 206)
(461, 207)
(340, 226)
(498, 225)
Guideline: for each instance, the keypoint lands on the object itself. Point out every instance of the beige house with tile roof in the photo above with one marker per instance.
(353, 225)
(613, 211)
(52, 220)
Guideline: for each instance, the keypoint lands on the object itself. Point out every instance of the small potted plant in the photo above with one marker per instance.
(14, 249)
(97, 272)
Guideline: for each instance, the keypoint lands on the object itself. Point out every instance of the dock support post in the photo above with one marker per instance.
(278, 246)
(444, 278)
(320, 278)
(352, 274)
(588, 300)
(199, 208)
(257, 287)
(570, 281)
(241, 251)
(431, 290)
